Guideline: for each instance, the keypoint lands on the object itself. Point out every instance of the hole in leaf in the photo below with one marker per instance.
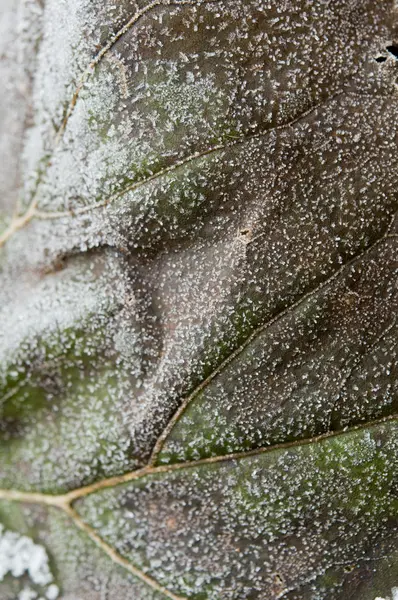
(393, 50)
(245, 235)
(349, 568)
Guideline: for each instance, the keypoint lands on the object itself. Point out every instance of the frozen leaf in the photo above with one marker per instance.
(198, 298)
(328, 363)
(70, 357)
(59, 561)
(262, 526)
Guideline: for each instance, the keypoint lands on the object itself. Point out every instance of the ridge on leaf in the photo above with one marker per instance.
(198, 378)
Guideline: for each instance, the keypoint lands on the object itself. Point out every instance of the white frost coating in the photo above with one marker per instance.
(59, 305)
(55, 325)
(52, 592)
(394, 592)
(63, 30)
(19, 555)
(27, 594)
(19, 31)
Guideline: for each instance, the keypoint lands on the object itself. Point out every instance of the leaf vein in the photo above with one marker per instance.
(170, 425)
(19, 222)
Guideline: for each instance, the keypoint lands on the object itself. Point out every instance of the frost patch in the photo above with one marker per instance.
(394, 595)
(19, 555)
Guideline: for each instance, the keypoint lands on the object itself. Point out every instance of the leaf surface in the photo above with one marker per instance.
(44, 553)
(262, 526)
(198, 298)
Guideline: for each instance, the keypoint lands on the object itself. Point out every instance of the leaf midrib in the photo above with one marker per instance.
(66, 500)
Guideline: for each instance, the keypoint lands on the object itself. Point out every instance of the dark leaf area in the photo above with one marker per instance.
(198, 299)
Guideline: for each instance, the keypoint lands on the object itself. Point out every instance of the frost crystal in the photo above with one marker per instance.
(198, 241)
(19, 554)
(394, 592)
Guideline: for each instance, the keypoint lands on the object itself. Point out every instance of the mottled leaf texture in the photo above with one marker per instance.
(198, 300)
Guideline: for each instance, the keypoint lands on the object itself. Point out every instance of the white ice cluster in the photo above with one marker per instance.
(19, 555)
(394, 595)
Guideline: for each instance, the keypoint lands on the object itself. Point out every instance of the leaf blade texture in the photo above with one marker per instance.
(198, 298)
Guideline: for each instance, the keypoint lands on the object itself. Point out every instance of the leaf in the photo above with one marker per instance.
(61, 561)
(261, 526)
(322, 366)
(198, 297)
(62, 386)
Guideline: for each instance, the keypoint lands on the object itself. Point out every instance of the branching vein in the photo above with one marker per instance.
(20, 221)
(65, 501)
(187, 401)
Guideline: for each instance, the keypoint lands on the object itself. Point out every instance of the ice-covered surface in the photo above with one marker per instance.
(187, 78)
(81, 570)
(70, 360)
(394, 592)
(302, 522)
(213, 194)
(20, 30)
(326, 364)
(215, 249)
(20, 555)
